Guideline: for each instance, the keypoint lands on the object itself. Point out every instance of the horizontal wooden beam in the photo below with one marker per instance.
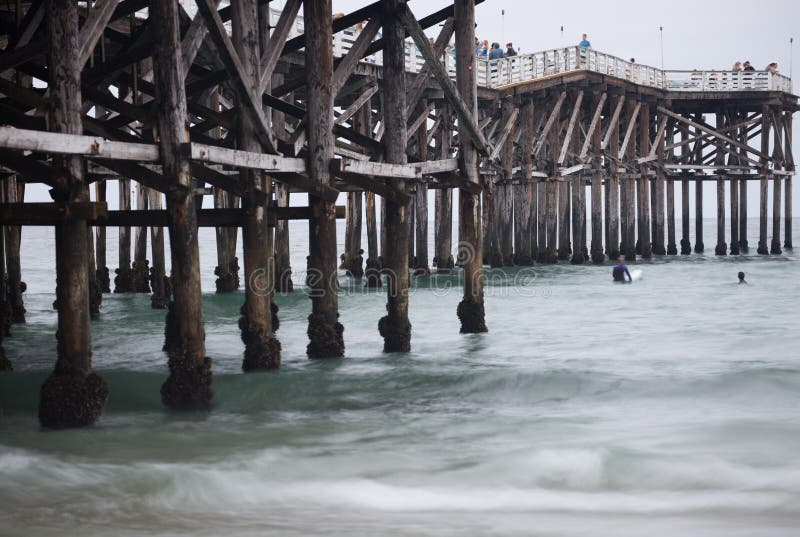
(76, 144)
(97, 214)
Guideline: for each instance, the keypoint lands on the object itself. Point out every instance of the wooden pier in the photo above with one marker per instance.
(248, 105)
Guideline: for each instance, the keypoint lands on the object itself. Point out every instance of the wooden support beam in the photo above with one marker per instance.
(613, 126)
(276, 43)
(420, 82)
(598, 112)
(576, 110)
(75, 144)
(189, 382)
(240, 78)
(193, 40)
(99, 15)
(507, 128)
(712, 132)
(348, 64)
(357, 104)
(550, 122)
(464, 113)
(629, 131)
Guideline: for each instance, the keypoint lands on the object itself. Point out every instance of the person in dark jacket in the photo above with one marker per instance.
(510, 50)
(620, 271)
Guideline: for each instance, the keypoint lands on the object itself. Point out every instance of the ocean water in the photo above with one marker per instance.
(667, 407)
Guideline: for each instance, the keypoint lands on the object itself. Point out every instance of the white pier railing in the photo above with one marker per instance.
(504, 72)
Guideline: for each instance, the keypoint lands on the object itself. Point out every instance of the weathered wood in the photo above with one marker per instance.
(158, 273)
(576, 110)
(189, 382)
(395, 328)
(103, 277)
(593, 138)
(420, 259)
(524, 200)
(324, 330)
(628, 186)
(594, 125)
(775, 244)
(452, 94)
(578, 201)
(420, 82)
(787, 243)
(74, 144)
(443, 202)
(721, 248)
(554, 114)
(611, 142)
(141, 265)
(99, 15)
(348, 64)
(471, 309)
(764, 181)
(274, 47)
(248, 98)
(262, 349)
(13, 192)
(357, 104)
(71, 396)
(657, 193)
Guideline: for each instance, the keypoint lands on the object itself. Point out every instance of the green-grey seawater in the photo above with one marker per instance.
(666, 407)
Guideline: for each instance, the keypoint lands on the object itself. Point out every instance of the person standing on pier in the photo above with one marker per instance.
(620, 270)
(585, 42)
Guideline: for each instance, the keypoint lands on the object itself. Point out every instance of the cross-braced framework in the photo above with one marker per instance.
(250, 104)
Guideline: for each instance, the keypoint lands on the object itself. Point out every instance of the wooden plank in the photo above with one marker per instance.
(241, 80)
(550, 122)
(510, 122)
(348, 64)
(50, 214)
(657, 145)
(629, 131)
(75, 144)
(357, 104)
(439, 46)
(373, 185)
(593, 125)
(277, 41)
(420, 119)
(612, 126)
(712, 132)
(451, 93)
(271, 164)
(99, 16)
(576, 111)
(193, 40)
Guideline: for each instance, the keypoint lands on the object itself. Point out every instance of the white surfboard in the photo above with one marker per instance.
(636, 274)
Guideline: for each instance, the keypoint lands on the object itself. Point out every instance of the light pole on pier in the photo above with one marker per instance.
(661, 33)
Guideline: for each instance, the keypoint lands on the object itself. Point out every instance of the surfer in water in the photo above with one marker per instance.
(620, 270)
(741, 278)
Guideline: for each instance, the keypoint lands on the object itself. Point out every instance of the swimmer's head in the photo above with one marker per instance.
(621, 259)
(741, 276)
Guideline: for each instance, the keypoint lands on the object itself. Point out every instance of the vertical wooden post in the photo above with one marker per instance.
(71, 396)
(13, 192)
(613, 189)
(699, 247)
(470, 310)
(721, 248)
(325, 333)
(373, 269)
(735, 243)
(658, 201)
(283, 265)
(103, 276)
(262, 349)
(420, 264)
(763, 182)
(227, 269)
(578, 186)
(5, 321)
(505, 190)
(645, 241)
(789, 166)
(141, 266)
(597, 192)
(189, 382)
(123, 281)
(686, 245)
(158, 273)
(395, 326)
(628, 196)
(775, 245)
(524, 208)
(443, 202)
(354, 259)
(672, 247)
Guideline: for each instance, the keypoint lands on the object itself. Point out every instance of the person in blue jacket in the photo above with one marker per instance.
(620, 271)
(585, 42)
(496, 53)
